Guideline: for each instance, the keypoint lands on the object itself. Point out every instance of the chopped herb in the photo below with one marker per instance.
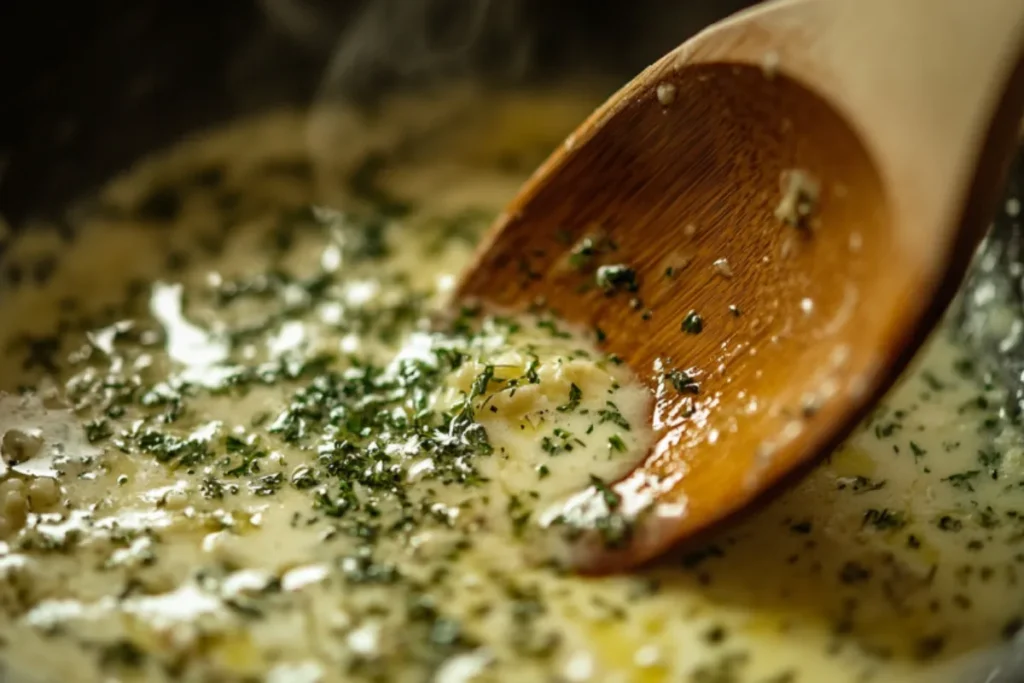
(98, 430)
(611, 413)
(962, 480)
(1012, 628)
(801, 527)
(122, 654)
(583, 253)
(716, 635)
(947, 523)
(575, 395)
(481, 382)
(885, 430)
(884, 519)
(552, 328)
(693, 323)
(560, 442)
(615, 278)
(682, 382)
(518, 514)
(211, 489)
(610, 498)
(932, 381)
(853, 572)
(728, 668)
(860, 484)
(987, 518)
(173, 450)
(929, 647)
(990, 460)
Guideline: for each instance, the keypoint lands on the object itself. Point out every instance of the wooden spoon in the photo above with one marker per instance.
(808, 177)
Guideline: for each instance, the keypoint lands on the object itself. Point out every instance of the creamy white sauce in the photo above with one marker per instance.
(898, 559)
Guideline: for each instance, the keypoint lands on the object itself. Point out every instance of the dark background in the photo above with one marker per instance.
(88, 86)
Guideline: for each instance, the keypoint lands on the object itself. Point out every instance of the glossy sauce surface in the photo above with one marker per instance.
(241, 451)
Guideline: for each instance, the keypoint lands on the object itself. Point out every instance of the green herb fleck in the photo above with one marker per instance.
(962, 480)
(611, 413)
(97, 430)
(618, 277)
(693, 323)
(682, 382)
(883, 519)
(575, 395)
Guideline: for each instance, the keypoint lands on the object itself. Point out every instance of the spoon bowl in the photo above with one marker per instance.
(765, 225)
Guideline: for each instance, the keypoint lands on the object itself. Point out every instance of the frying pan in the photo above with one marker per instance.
(88, 87)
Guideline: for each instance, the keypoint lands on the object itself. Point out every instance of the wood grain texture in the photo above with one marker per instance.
(682, 169)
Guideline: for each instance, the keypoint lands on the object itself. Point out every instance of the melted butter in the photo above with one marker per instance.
(201, 534)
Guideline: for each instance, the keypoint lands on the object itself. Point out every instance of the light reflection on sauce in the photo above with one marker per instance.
(200, 351)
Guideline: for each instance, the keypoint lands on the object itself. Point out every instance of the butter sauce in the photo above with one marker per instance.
(267, 456)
